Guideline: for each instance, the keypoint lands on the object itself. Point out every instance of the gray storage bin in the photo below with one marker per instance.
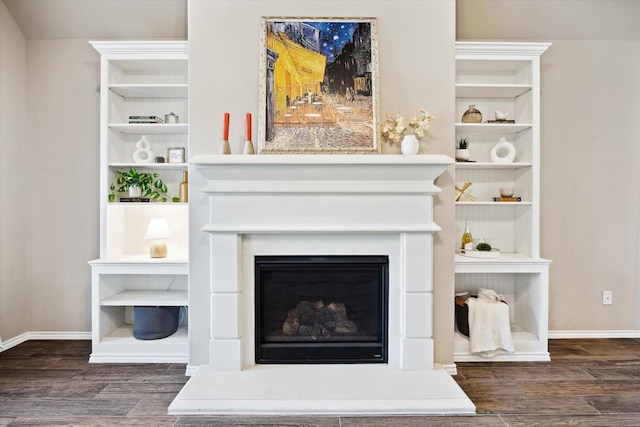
(152, 323)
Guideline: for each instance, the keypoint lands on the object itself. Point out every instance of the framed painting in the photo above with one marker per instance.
(318, 86)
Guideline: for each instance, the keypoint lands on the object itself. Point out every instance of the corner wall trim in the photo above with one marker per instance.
(594, 334)
(56, 335)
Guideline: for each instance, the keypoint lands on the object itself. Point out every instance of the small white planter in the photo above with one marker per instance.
(135, 192)
(462, 155)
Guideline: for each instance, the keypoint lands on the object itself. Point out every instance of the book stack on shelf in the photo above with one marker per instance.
(145, 119)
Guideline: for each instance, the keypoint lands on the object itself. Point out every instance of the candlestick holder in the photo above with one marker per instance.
(225, 148)
(248, 148)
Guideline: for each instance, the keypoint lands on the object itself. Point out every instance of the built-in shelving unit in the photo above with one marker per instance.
(503, 77)
(143, 79)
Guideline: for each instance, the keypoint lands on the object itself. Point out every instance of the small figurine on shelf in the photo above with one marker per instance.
(462, 150)
(462, 192)
(143, 153)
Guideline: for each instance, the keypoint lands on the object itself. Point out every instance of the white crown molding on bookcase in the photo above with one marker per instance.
(501, 48)
(141, 47)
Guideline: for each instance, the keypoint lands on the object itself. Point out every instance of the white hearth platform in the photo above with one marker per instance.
(321, 390)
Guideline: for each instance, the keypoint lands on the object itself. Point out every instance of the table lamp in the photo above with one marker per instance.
(157, 230)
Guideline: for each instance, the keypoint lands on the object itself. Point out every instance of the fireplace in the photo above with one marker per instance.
(323, 213)
(321, 309)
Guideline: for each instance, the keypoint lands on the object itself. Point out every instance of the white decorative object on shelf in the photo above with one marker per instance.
(143, 153)
(158, 230)
(501, 116)
(503, 151)
(409, 145)
(493, 253)
(135, 191)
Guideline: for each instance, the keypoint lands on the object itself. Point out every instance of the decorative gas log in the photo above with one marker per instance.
(318, 321)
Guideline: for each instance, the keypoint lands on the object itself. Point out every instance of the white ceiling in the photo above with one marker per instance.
(100, 19)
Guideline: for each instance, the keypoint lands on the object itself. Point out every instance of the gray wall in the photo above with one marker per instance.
(590, 152)
(63, 152)
(13, 175)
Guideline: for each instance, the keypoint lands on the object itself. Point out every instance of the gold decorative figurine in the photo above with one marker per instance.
(462, 191)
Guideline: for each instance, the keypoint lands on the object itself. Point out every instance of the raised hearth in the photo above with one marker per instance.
(318, 205)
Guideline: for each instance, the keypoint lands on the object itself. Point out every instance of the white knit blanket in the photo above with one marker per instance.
(489, 330)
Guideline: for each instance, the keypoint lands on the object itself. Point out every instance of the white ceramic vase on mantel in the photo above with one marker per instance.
(462, 154)
(409, 145)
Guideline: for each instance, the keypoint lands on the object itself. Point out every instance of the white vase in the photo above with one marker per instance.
(409, 145)
(135, 191)
(503, 152)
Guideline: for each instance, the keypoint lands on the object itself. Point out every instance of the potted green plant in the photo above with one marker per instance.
(139, 184)
(462, 150)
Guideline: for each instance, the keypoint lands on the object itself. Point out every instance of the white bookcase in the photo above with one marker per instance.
(140, 79)
(503, 77)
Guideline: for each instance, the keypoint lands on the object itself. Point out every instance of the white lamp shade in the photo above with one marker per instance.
(158, 229)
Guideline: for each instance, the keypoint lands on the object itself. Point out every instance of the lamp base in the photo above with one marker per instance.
(158, 249)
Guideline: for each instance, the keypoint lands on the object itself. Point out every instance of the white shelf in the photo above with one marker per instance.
(492, 166)
(495, 91)
(505, 263)
(181, 261)
(121, 347)
(151, 91)
(151, 128)
(492, 203)
(147, 298)
(526, 345)
(493, 127)
(158, 166)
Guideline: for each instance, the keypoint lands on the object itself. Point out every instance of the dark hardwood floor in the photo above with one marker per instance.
(587, 383)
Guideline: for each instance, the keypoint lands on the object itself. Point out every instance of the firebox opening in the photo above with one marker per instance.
(321, 309)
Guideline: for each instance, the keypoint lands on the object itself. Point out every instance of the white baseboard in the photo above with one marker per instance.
(12, 342)
(594, 334)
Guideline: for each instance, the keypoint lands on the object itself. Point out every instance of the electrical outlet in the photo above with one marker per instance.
(607, 297)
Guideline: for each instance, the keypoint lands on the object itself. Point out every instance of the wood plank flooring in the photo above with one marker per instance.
(587, 383)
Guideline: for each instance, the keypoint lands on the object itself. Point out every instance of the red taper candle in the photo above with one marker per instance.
(248, 126)
(225, 135)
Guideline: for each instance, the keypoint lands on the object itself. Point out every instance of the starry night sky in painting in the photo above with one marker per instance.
(333, 37)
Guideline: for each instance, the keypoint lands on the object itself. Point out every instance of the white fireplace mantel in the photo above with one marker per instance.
(318, 205)
(373, 193)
